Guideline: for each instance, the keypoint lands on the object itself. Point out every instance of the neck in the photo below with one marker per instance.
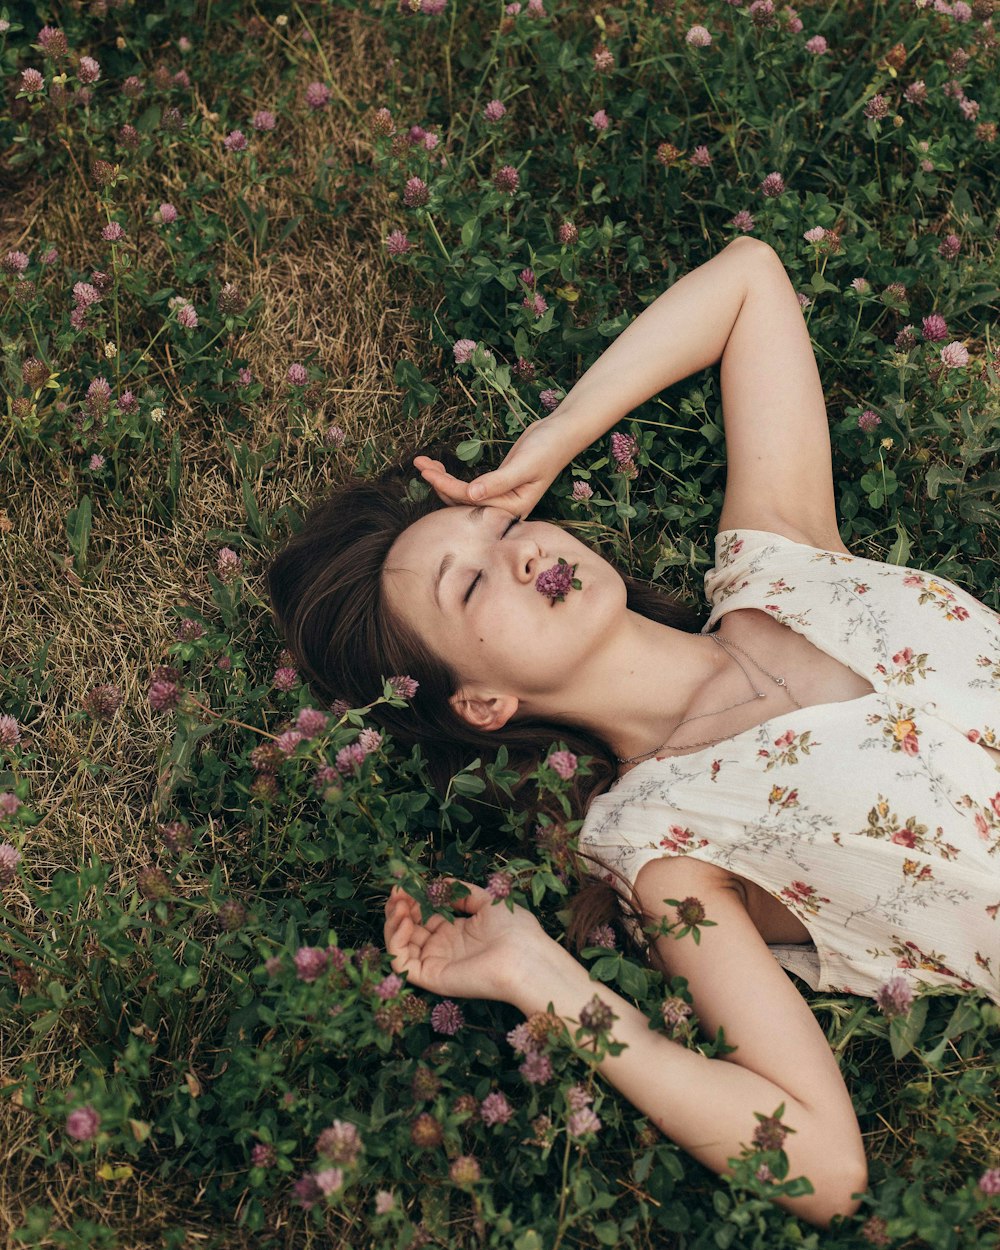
(639, 686)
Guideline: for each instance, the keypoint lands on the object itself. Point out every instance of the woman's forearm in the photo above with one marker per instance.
(705, 1105)
(682, 332)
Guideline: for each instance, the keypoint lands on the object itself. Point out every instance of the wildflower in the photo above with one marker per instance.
(596, 1016)
(698, 37)
(869, 421)
(896, 291)
(817, 45)
(507, 179)
(288, 741)
(176, 836)
(568, 234)
(164, 692)
(916, 92)
(235, 141)
(334, 436)
(53, 42)
(263, 1155)
(624, 448)
(187, 317)
(499, 885)
(564, 763)
(133, 87)
(318, 95)
(369, 740)
(534, 303)
(550, 400)
(762, 13)
(770, 1133)
(600, 120)
(674, 1011)
(742, 221)
(861, 285)
(404, 687)
(935, 328)
(582, 491)
(89, 70)
(950, 247)
(310, 962)
(601, 935)
(989, 1182)
(970, 108)
(153, 883)
(954, 356)
(15, 262)
(416, 193)
(894, 998)
(10, 731)
(350, 758)
(582, 1122)
(425, 1131)
(228, 564)
(691, 911)
(311, 722)
(465, 1170)
(245, 376)
(906, 339)
(341, 1142)
(384, 1202)
(10, 857)
(297, 375)
(31, 81)
(816, 235)
(494, 110)
(263, 119)
(495, 1109)
(578, 1097)
(83, 1123)
(463, 350)
(536, 1068)
(447, 1018)
(794, 21)
(520, 1038)
(557, 581)
(49, 257)
(101, 702)
(232, 915)
(603, 59)
(773, 186)
(877, 107)
(397, 243)
(667, 154)
(382, 123)
(701, 157)
(306, 1192)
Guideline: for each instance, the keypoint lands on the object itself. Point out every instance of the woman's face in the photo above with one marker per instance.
(485, 617)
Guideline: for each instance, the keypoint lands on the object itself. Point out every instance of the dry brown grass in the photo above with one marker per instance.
(329, 290)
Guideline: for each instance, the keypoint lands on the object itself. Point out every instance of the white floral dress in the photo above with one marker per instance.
(875, 820)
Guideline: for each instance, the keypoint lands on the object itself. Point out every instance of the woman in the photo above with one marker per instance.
(816, 771)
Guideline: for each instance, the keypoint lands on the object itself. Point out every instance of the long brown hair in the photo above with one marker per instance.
(326, 593)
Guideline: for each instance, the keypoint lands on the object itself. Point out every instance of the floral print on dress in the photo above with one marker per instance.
(875, 820)
(788, 745)
(908, 667)
(802, 898)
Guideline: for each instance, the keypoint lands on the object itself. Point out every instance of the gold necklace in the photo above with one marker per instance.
(757, 694)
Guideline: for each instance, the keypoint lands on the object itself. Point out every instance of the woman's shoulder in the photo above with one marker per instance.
(745, 536)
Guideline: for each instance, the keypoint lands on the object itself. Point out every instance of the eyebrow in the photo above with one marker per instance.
(476, 514)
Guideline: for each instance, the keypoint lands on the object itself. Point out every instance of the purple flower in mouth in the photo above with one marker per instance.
(557, 581)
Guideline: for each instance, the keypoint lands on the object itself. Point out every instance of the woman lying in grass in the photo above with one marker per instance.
(815, 772)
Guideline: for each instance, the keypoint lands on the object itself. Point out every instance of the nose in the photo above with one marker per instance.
(527, 558)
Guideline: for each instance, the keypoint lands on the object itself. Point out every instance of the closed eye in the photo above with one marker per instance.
(475, 580)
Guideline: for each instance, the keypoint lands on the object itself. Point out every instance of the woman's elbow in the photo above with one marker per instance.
(839, 1194)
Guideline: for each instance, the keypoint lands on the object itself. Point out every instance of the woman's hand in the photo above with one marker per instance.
(528, 470)
(483, 954)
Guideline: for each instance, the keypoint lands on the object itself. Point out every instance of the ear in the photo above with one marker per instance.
(487, 714)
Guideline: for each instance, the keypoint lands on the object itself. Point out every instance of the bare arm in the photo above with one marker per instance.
(707, 1106)
(740, 308)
